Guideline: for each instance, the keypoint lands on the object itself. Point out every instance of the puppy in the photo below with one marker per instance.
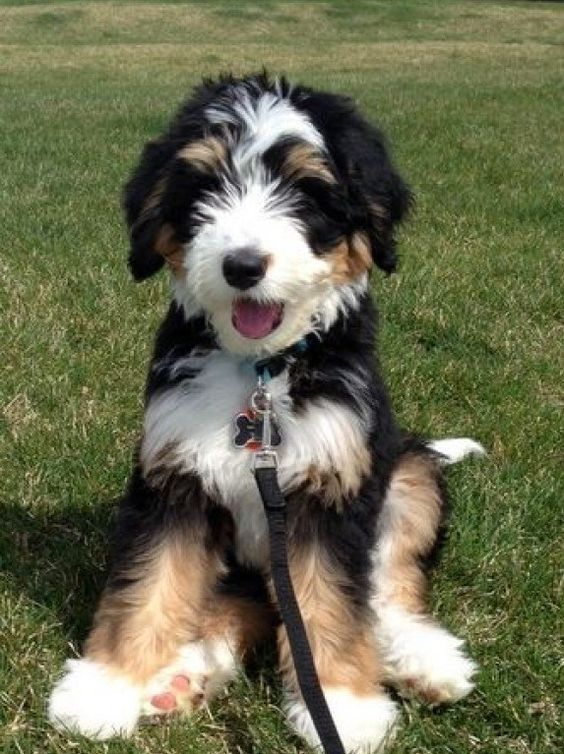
(269, 204)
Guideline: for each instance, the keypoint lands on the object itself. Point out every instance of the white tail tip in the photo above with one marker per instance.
(455, 449)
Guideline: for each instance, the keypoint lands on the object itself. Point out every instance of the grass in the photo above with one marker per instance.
(471, 95)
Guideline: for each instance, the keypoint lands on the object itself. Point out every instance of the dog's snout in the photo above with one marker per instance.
(243, 268)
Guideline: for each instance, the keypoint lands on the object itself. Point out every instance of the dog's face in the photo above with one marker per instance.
(269, 204)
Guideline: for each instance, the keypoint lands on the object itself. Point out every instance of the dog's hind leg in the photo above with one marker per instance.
(147, 651)
(420, 657)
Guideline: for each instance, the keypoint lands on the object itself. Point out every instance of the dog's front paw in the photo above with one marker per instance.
(422, 659)
(91, 700)
(366, 724)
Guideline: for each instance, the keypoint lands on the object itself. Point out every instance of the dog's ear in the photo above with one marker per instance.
(378, 199)
(152, 238)
(376, 190)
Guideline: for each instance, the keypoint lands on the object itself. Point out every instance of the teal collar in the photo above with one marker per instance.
(271, 366)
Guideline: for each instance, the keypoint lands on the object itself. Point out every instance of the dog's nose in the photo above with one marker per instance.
(244, 268)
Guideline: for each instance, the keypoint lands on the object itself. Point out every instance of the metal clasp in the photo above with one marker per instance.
(261, 403)
(265, 459)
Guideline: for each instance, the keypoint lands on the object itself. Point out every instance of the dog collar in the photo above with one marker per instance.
(256, 426)
(271, 366)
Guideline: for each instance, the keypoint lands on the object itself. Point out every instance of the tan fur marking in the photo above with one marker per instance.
(410, 523)
(343, 648)
(168, 246)
(139, 627)
(337, 486)
(350, 258)
(243, 620)
(305, 161)
(205, 154)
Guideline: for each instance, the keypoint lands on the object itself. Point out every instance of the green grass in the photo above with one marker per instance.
(471, 94)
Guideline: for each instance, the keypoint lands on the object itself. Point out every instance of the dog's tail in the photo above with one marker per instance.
(454, 449)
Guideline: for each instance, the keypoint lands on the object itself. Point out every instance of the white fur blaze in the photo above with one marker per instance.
(421, 658)
(91, 701)
(365, 724)
(455, 449)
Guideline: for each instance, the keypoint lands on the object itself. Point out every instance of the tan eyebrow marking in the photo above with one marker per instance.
(305, 161)
(205, 154)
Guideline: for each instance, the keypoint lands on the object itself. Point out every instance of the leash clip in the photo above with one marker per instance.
(264, 459)
(261, 403)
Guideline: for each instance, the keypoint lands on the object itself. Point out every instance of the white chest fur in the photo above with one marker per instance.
(196, 417)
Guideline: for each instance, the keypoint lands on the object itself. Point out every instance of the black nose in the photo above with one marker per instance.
(244, 268)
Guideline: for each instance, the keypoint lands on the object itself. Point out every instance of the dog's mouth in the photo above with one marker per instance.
(254, 320)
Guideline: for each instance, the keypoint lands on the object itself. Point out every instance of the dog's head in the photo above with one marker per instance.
(270, 204)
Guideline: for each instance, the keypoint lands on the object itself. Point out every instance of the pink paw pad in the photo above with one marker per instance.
(183, 694)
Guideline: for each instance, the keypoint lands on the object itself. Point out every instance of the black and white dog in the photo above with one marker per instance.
(269, 203)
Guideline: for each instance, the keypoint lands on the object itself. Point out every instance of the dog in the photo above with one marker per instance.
(269, 204)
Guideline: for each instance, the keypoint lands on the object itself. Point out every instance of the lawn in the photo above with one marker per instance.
(472, 97)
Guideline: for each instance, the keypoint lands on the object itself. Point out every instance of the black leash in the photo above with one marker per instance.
(275, 508)
(266, 475)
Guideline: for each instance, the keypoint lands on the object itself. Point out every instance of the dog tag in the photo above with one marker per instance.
(249, 431)
(256, 428)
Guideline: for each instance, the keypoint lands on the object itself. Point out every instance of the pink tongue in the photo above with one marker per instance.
(254, 320)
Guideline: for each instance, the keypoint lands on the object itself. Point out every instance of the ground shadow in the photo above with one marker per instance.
(57, 559)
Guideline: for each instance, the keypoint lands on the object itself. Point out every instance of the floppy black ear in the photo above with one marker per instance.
(150, 235)
(377, 197)
(375, 187)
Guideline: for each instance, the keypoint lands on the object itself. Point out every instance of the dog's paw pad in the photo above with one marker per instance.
(183, 694)
(183, 685)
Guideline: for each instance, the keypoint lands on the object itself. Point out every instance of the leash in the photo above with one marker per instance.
(265, 469)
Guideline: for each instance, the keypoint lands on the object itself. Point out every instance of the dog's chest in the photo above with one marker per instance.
(197, 417)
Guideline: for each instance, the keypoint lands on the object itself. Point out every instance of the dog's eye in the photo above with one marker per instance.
(324, 217)
(322, 231)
